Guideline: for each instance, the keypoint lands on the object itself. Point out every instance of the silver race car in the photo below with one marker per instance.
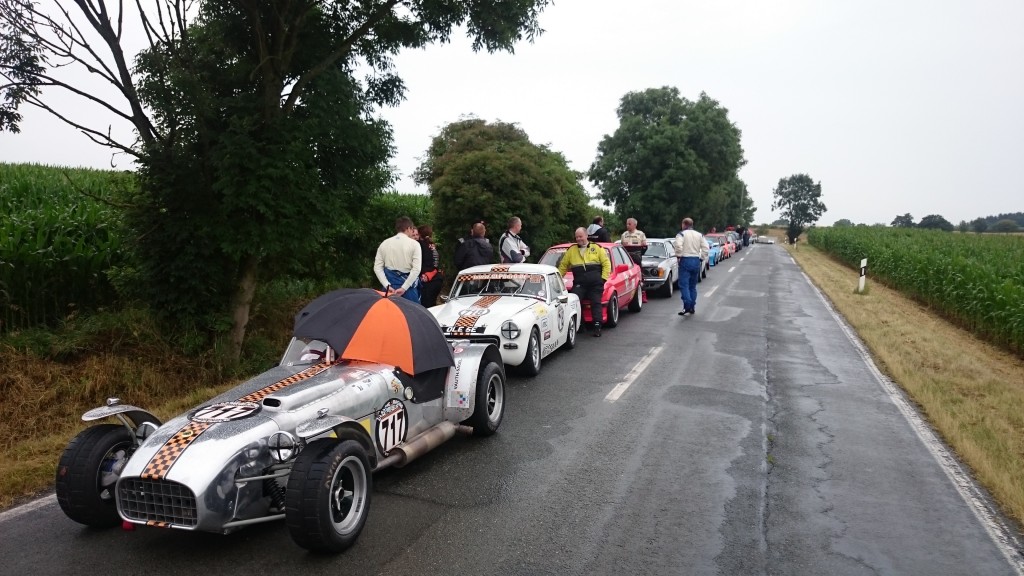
(366, 383)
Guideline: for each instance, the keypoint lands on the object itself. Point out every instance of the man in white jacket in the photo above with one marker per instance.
(690, 248)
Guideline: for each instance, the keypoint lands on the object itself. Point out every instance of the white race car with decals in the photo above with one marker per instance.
(298, 442)
(523, 309)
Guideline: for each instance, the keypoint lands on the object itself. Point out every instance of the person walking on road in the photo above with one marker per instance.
(691, 249)
(590, 268)
(398, 261)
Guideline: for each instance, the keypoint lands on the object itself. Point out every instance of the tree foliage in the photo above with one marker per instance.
(843, 222)
(491, 171)
(799, 199)
(979, 225)
(670, 158)
(904, 221)
(255, 140)
(936, 222)
(1006, 225)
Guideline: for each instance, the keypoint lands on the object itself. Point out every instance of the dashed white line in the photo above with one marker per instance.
(637, 370)
(731, 269)
(710, 292)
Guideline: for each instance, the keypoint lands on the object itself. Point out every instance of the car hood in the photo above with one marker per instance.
(652, 261)
(488, 314)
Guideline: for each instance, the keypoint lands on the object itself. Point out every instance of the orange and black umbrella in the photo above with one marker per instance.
(360, 324)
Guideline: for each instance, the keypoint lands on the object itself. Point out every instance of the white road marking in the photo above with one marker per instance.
(710, 292)
(621, 387)
(731, 269)
(986, 514)
(26, 508)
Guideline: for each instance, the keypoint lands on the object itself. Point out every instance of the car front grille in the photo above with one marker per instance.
(159, 501)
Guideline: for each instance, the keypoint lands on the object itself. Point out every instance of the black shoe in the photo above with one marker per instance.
(693, 311)
(597, 331)
(683, 312)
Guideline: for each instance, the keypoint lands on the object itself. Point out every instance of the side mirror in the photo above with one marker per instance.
(622, 268)
(563, 298)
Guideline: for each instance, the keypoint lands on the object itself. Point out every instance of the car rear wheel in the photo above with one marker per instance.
(531, 363)
(88, 471)
(613, 311)
(637, 302)
(490, 400)
(328, 496)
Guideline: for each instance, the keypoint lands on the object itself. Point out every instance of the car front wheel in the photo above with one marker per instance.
(570, 336)
(88, 471)
(328, 496)
(531, 363)
(637, 302)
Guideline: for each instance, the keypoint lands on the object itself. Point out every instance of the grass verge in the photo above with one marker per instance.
(970, 391)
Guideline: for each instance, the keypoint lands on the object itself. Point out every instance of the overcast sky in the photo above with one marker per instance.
(909, 106)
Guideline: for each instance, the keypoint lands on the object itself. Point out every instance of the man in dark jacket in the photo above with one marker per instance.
(596, 232)
(475, 249)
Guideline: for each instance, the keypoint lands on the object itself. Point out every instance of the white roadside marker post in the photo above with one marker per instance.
(863, 274)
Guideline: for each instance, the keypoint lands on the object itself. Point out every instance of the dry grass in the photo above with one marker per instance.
(970, 391)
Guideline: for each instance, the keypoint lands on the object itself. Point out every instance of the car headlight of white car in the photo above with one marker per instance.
(510, 330)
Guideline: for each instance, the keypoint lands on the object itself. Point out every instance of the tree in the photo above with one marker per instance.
(477, 170)
(979, 225)
(843, 223)
(1005, 226)
(799, 199)
(963, 227)
(905, 221)
(670, 158)
(247, 120)
(935, 222)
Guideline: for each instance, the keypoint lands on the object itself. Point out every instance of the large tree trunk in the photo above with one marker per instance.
(241, 304)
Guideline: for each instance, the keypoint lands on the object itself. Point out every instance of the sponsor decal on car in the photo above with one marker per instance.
(224, 412)
(561, 319)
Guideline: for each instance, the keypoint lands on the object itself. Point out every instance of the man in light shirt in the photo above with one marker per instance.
(398, 262)
(690, 248)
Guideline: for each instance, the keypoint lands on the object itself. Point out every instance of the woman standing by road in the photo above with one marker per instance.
(431, 278)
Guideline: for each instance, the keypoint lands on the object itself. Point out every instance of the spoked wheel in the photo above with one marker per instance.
(570, 336)
(88, 471)
(328, 496)
(531, 363)
(489, 408)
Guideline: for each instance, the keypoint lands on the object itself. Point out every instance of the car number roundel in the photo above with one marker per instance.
(392, 425)
(225, 412)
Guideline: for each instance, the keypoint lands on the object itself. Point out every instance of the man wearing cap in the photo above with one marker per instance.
(398, 262)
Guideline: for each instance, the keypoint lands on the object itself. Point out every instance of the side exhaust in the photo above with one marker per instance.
(425, 442)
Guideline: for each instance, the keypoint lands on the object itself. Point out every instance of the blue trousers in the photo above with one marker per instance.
(689, 271)
(397, 279)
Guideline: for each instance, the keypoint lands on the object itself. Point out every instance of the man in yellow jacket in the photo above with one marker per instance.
(590, 268)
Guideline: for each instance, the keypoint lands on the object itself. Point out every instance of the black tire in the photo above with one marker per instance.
(637, 303)
(570, 336)
(667, 288)
(531, 362)
(489, 407)
(87, 474)
(328, 495)
(613, 312)
(703, 271)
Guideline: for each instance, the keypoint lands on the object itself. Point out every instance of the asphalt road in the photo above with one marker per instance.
(752, 438)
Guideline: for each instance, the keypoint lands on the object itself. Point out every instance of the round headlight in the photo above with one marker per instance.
(282, 446)
(510, 331)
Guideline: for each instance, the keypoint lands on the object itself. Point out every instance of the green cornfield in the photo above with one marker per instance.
(58, 238)
(975, 280)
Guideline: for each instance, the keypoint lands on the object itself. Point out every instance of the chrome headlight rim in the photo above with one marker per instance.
(283, 446)
(510, 330)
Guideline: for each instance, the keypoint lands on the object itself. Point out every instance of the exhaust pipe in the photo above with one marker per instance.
(428, 440)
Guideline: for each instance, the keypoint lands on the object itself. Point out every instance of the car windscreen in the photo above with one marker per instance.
(552, 257)
(499, 284)
(657, 250)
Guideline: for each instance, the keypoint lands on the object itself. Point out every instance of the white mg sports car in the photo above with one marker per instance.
(524, 309)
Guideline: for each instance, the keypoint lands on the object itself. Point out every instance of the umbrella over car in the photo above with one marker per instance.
(361, 324)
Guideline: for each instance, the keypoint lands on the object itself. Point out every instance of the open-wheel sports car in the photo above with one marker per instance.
(524, 309)
(623, 289)
(366, 383)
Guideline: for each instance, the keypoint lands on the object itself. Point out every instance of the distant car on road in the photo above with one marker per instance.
(660, 266)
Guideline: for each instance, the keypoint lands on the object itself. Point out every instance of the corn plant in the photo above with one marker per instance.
(57, 241)
(976, 280)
